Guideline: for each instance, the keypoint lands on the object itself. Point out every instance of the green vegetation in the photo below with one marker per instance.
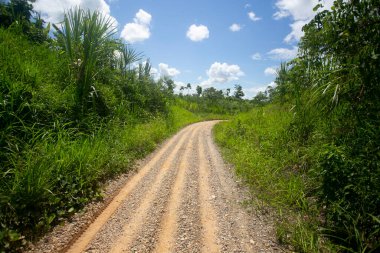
(211, 100)
(313, 151)
(73, 112)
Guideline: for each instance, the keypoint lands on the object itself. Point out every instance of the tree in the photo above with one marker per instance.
(334, 85)
(20, 10)
(170, 85)
(213, 94)
(86, 39)
(181, 89)
(228, 91)
(199, 90)
(238, 94)
(20, 13)
(281, 81)
(260, 99)
(188, 87)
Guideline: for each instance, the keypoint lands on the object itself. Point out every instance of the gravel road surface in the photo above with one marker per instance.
(182, 198)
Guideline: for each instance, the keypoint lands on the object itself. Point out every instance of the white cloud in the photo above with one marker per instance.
(296, 32)
(133, 32)
(301, 12)
(165, 70)
(270, 71)
(154, 72)
(139, 30)
(235, 27)
(252, 16)
(222, 73)
(179, 84)
(280, 14)
(142, 17)
(253, 91)
(283, 53)
(197, 33)
(53, 10)
(272, 84)
(297, 9)
(256, 56)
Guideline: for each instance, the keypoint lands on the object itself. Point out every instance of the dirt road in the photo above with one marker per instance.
(182, 199)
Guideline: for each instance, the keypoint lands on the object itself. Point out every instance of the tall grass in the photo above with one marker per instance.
(283, 157)
(63, 171)
(275, 167)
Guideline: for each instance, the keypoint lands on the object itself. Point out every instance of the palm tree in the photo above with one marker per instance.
(87, 40)
(281, 81)
(188, 87)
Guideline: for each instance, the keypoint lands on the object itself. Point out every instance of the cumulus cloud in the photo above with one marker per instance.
(252, 16)
(53, 10)
(256, 56)
(301, 12)
(165, 70)
(283, 53)
(297, 9)
(270, 71)
(143, 17)
(296, 33)
(222, 73)
(154, 72)
(235, 27)
(197, 32)
(253, 91)
(139, 29)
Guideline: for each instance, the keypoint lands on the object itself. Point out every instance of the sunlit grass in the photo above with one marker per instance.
(259, 146)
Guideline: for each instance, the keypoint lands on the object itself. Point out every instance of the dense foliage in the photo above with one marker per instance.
(332, 141)
(211, 100)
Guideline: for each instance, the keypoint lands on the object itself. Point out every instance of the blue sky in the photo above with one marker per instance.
(208, 43)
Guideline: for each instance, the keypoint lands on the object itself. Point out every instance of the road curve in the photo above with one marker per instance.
(183, 199)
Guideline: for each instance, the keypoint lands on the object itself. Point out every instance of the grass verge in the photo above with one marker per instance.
(63, 171)
(275, 168)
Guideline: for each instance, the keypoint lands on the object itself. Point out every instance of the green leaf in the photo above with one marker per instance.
(14, 236)
(317, 7)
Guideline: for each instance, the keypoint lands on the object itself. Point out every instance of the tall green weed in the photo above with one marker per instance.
(276, 167)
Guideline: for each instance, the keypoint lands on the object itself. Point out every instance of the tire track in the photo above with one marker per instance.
(184, 199)
(207, 212)
(80, 244)
(188, 236)
(235, 234)
(169, 223)
(246, 232)
(130, 231)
